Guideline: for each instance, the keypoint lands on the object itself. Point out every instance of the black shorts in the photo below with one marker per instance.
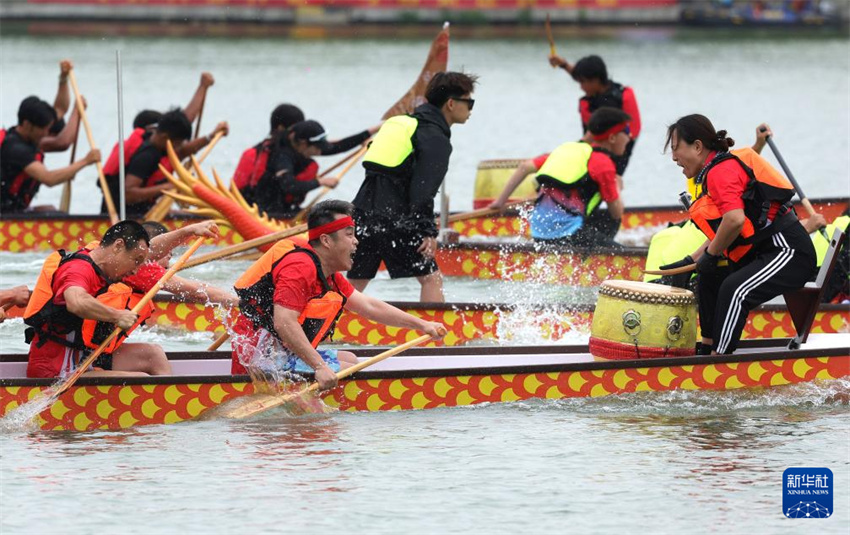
(397, 248)
(104, 362)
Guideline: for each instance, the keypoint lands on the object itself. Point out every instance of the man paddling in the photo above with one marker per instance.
(405, 166)
(254, 161)
(291, 298)
(22, 171)
(600, 91)
(144, 181)
(75, 305)
(574, 179)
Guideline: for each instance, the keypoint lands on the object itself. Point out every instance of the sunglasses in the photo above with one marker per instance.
(627, 131)
(469, 101)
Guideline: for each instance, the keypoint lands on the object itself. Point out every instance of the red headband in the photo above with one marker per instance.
(616, 129)
(329, 228)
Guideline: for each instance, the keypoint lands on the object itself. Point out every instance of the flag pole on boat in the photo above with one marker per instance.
(121, 171)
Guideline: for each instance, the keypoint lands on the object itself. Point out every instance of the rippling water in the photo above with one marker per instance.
(653, 462)
(697, 462)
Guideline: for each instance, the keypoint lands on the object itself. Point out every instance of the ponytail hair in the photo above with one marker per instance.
(697, 127)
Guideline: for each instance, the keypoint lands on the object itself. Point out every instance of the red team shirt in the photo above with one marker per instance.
(52, 358)
(295, 283)
(726, 184)
(601, 169)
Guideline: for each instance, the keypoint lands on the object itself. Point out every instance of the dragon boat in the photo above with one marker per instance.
(474, 322)
(427, 378)
(50, 231)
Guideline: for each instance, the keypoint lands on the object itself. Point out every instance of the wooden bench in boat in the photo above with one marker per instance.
(803, 304)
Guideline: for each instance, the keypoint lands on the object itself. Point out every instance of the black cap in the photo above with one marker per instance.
(311, 132)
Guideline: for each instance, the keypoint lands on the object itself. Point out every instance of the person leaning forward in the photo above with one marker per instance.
(22, 171)
(405, 166)
(747, 217)
(75, 302)
(291, 298)
(574, 179)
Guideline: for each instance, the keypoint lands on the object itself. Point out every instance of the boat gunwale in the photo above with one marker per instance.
(696, 360)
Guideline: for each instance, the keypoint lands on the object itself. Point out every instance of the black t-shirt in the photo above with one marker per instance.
(15, 155)
(143, 164)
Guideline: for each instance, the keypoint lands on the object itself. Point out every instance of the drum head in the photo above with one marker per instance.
(646, 291)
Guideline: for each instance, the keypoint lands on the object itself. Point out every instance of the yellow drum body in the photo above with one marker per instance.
(490, 180)
(638, 320)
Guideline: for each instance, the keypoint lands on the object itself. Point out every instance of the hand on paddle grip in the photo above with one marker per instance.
(707, 263)
(763, 132)
(207, 229)
(558, 61)
(207, 79)
(326, 378)
(328, 181)
(125, 319)
(682, 279)
(222, 127)
(436, 329)
(92, 157)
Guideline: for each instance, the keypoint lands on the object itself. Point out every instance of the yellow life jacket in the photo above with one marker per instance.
(566, 169)
(822, 244)
(393, 143)
(670, 245)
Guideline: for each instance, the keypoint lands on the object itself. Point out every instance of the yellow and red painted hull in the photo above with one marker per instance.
(512, 224)
(33, 232)
(73, 232)
(468, 322)
(116, 406)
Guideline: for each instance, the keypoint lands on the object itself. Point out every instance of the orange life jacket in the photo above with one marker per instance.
(765, 187)
(51, 321)
(255, 289)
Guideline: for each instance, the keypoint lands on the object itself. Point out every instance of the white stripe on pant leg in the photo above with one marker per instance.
(785, 255)
(740, 294)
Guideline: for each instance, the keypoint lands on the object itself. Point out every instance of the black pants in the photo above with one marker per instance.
(780, 263)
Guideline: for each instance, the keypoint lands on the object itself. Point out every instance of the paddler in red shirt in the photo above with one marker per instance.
(574, 180)
(149, 273)
(747, 217)
(600, 91)
(291, 298)
(76, 300)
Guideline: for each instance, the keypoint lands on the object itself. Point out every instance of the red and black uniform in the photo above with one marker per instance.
(290, 276)
(622, 98)
(56, 345)
(773, 254)
(143, 163)
(253, 165)
(17, 188)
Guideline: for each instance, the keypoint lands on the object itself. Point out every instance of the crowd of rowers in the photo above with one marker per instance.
(751, 246)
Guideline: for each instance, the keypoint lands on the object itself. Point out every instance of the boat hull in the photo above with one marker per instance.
(469, 322)
(115, 404)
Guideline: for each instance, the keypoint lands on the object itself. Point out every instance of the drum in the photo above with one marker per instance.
(639, 320)
(490, 180)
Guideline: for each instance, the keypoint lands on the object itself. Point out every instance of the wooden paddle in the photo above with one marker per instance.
(54, 393)
(548, 26)
(352, 158)
(807, 205)
(247, 245)
(163, 205)
(219, 341)
(673, 271)
(482, 212)
(110, 205)
(261, 405)
(65, 203)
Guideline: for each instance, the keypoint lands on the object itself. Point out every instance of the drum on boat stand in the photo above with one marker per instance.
(491, 177)
(639, 320)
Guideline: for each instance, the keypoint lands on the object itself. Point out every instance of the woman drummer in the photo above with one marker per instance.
(747, 218)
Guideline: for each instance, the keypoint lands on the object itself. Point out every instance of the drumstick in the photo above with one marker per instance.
(673, 271)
